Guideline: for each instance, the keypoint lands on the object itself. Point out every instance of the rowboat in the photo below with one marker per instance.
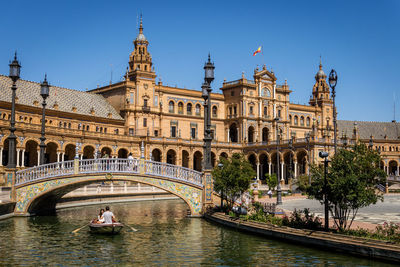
(106, 228)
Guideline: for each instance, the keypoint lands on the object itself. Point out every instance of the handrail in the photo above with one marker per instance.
(110, 165)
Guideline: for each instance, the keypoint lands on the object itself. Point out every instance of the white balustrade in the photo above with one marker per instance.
(109, 165)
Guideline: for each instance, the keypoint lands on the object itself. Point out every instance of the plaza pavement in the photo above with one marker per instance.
(368, 217)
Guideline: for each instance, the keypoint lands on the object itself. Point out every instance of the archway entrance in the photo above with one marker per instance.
(51, 152)
(265, 133)
(123, 153)
(197, 158)
(171, 157)
(69, 152)
(88, 152)
(250, 134)
(233, 133)
(156, 154)
(31, 153)
(185, 159)
(106, 151)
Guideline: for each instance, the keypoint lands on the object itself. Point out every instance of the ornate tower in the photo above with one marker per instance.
(321, 92)
(140, 62)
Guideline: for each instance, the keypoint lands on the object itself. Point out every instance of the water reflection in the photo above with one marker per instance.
(166, 237)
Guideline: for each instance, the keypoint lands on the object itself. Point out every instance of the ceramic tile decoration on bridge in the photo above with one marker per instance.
(38, 188)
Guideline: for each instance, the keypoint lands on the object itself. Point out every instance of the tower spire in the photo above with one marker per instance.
(141, 24)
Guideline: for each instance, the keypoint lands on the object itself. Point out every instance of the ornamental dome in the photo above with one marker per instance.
(320, 74)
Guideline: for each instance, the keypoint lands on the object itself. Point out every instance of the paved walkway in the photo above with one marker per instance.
(368, 217)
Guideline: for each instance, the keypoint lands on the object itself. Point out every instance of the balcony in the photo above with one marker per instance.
(146, 109)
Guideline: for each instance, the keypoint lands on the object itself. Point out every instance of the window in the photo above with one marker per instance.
(171, 107)
(65, 125)
(234, 110)
(296, 122)
(173, 131)
(131, 98)
(308, 122)
(156, 100)
(193, 133)
(290, 119)
(279, 113)
(302, 121)
(145, 102)
(105, 130)
(131, 131)
(189, 109)
(232, 93)
(116, 131)
(79, 126)
(265, 111)
(251, 110)
(144, 122)
(198, 108)
(214, 111)
(87, 127)
(230, 110)
(69, 125)
(155, 133)
(180, 108)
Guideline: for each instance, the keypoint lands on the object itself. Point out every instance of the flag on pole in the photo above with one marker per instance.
(257, 51)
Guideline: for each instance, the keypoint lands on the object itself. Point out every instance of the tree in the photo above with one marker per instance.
(352, 179)
(271, 180)
(233, 178)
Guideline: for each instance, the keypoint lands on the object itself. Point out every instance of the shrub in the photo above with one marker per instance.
(302, 219)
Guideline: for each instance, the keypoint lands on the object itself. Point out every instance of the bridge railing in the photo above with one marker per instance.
(112, 165)
(44, 171)
(173, 171)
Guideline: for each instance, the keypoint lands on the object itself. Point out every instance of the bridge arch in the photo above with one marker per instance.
(39, 188)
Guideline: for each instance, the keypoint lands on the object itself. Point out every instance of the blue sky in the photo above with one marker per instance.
(78, 43)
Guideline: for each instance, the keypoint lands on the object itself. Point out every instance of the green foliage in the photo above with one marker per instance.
(302, 219)
(387, 231)
(271, 181)
(233, 178)
(260, 216)
(302, 182)
(351, 183)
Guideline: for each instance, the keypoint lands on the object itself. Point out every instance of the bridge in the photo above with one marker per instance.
(37, 189)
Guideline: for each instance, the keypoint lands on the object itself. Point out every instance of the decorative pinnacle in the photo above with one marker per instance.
(141, 24)
(320, 62)
(209, 57)
(15, 55)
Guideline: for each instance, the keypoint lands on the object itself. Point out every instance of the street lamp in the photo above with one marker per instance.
(325, 155)
(15, 69)
(44, 92)
(290, 156)
(220, 166)
(278, 189)
(206, 94)
(371, 143)
(332, 84)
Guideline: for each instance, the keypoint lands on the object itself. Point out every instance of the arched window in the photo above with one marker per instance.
(265, 111)
(302, 121)
(198, 108)
(189, 108)
(171, 107)
(180, 108)
(308, 122)
(296, 120)
(214, 111)
(290, 119)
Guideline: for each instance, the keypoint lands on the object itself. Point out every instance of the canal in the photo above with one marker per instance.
(165, 237)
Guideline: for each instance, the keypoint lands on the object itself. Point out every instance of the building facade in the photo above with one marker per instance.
(117, 119)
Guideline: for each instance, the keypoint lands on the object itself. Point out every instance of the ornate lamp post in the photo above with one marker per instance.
(332, 84)
(206, 94)
(325, 155)
(15, 69)
(290, 156)
(278, 188)
(44, 92)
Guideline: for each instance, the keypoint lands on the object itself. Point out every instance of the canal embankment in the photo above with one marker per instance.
(374, 249)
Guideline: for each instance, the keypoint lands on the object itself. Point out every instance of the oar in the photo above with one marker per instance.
(76, 230)
(133, 229)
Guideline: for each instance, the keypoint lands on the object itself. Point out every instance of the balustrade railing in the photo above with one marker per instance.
(112, 165)
(44, 171)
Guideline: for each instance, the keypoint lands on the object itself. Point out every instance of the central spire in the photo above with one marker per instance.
(141, 25)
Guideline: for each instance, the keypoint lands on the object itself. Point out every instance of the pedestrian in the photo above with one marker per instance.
(269, 193)
(130, 162)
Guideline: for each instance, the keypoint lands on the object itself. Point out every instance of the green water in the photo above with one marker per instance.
(166, 237)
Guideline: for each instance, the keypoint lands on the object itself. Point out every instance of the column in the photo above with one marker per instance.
(282, 173)
(295, 169)
(58, 156)
(269, 168)
(23, 158)
(18, 150)
(398, 170)
(228, 135)
(258, 172)
(38, 158)
(1, 156)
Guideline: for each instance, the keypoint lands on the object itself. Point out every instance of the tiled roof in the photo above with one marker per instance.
(367, 128)
(28, 92)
